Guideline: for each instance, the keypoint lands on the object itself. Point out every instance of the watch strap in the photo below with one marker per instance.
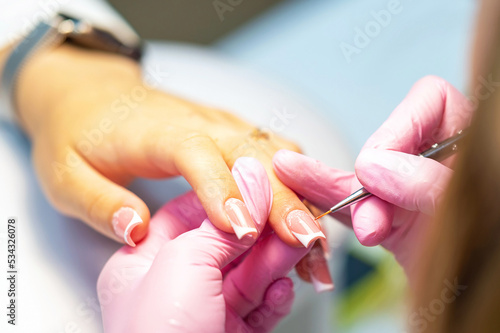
(44, 35)
(50, 34)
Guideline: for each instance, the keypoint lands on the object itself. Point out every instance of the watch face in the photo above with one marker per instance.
(84, 34)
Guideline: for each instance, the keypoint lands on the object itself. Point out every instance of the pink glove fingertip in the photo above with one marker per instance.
(372, 221)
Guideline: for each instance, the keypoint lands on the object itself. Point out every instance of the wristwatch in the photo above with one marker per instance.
(54, 32)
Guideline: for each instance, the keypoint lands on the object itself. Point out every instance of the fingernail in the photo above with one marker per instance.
(124, 221)
(325, 247)
(240, 218)
(319, 272)
(250, 175)
(303, 227)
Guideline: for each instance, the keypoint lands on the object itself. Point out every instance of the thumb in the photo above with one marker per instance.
(82, 192)
(411, 182)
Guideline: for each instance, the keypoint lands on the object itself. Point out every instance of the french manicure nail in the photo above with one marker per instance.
(325, 247)
(303, 227)
(124, 221)
(240, 218)
(319, 272)
(321, 286)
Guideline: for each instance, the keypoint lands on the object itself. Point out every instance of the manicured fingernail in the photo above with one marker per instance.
(319, 272)
(250, 174)
(240, 218)
(124, 221)
(325, 247)
(303, 227)
(321, 286)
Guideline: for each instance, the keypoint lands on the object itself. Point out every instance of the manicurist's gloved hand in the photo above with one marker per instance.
(188, 276)
(407, 188)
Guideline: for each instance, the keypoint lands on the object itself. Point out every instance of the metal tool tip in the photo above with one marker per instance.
(324, 214)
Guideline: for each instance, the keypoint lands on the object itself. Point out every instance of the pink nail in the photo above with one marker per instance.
(325, 247)
(319, 272)
(250, 174)
(240, 218)
(303, 227)
(124, 221)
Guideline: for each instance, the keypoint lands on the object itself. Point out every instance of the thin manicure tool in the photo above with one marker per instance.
(437, 152)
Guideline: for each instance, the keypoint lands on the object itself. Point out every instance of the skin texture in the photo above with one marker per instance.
(95, 125)
(406, 188)
(188, 276)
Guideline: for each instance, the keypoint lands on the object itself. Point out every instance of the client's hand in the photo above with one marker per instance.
(407, 188)
(96, 124)
(188, 276)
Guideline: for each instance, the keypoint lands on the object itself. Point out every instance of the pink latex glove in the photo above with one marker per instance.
(188, 276)
(407, 188)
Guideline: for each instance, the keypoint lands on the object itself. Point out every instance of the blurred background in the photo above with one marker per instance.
(354, 61)
(191, 21)
(345, 55)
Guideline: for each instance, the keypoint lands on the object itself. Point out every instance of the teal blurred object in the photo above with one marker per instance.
(301, 43)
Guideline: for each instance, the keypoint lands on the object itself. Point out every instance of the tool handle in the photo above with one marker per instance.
(440, 151)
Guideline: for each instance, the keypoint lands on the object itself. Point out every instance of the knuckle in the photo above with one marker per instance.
(247, 148)
(195, 140)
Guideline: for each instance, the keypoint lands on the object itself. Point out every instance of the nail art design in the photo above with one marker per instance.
(303, 227)
(240, 218)
(124, 221)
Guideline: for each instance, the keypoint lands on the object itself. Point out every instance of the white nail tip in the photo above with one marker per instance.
(243, 231)
(320, 286)
(136, 220)
(306, 240)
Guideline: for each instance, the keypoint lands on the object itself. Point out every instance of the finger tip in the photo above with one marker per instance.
(222, 222)
(129, 239)
(309, 242)
(372, 221)
(365, 162)
(372, 233)
(321, 287)
(125, 221)
(283, 157)
(138, 232)
(281, 290)
(369, 239)
(287, 282)
(242, 232)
